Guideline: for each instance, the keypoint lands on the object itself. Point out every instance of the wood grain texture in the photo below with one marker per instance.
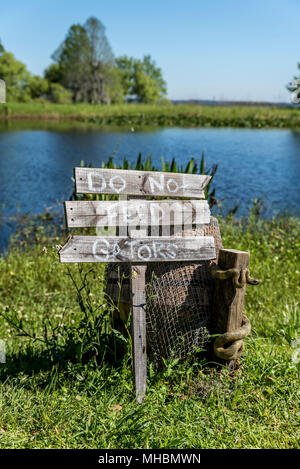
(136, 213)
(138, 324)
(228, 303)
(140, 183)
(148, 249)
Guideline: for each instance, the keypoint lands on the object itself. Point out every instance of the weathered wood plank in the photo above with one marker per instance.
(150, 249)
(142, 183)
(136, 213)
(138, 324)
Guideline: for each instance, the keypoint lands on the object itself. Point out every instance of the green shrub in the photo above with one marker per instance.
(58, 94)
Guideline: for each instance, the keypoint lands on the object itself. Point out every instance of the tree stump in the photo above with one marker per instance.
(228, 301)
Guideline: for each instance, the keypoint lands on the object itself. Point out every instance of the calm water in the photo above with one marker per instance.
(36, 165)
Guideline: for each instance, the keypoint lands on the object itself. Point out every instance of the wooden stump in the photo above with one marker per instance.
(228, 301)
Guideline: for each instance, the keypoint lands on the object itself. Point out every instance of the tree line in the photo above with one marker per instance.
(85, 70)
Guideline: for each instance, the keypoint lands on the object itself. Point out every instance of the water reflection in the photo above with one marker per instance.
(37, 160)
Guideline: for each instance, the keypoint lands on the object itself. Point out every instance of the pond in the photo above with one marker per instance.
(37, 160)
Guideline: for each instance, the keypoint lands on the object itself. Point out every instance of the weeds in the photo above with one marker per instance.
(133, 115)
(67, 391)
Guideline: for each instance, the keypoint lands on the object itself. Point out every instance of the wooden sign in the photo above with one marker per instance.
(142, 183)
(2, 91)
(137, 249)
(136, 213)
(148, 249)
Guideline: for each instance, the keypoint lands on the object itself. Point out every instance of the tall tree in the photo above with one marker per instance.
(85, 60)
(141, 79)
(100, 47)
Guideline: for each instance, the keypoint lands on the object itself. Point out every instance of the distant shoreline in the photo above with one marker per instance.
(164, 115)
(228, 103)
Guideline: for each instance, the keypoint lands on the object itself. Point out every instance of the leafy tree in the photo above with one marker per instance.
(59, 94)
(20, 84)
(126, 66)
(142, 79)
(155, 73)
(37, 86)
(53, 74)
(15, 75)
(84, 63)
(114, 86)
(71, 57)
(145, 87)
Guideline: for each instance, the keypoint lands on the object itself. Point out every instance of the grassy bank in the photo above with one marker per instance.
(53, 394)
(156, 115)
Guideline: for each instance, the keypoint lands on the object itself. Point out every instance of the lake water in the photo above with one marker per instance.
(37, 161)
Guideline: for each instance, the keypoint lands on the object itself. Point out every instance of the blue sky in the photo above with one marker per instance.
(222, 49)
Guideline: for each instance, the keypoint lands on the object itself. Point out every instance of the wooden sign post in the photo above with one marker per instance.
(135, 246)
(138, 321)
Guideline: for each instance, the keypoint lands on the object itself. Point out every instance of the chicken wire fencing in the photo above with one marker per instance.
(178, 301)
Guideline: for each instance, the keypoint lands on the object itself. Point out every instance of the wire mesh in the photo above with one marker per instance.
(179, 300)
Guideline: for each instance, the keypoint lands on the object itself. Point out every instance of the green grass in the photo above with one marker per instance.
(156, 115)
(54, 395)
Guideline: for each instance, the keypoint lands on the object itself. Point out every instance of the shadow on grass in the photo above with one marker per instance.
(67, 361)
